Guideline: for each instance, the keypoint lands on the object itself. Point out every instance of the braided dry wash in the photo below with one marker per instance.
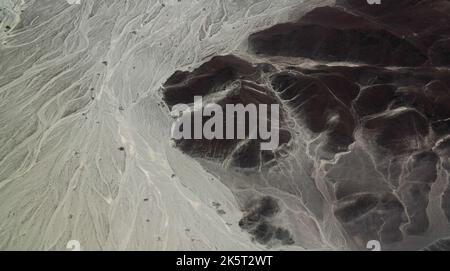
(86, 154)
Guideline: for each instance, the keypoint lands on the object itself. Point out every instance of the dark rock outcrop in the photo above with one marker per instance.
(390, 125)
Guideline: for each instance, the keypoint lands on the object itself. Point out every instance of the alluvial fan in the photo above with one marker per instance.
(86, 91)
